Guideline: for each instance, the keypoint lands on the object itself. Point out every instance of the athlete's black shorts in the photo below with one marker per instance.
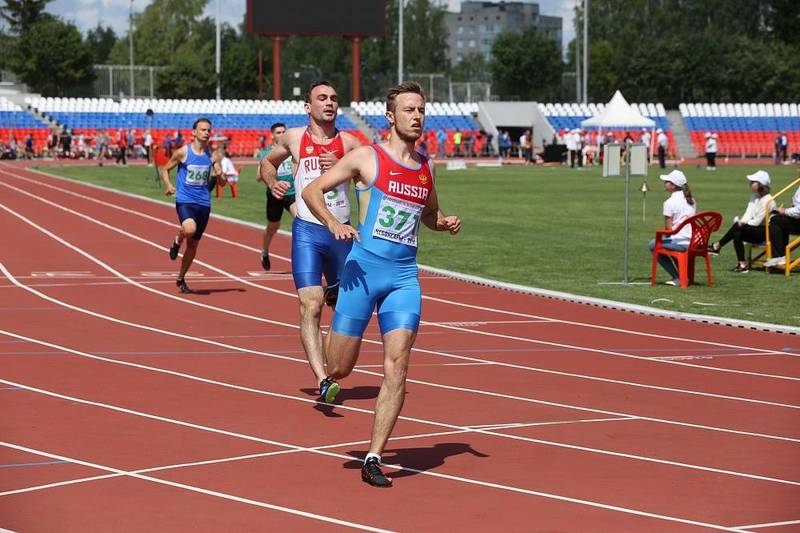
(275, 207)
(198, 213)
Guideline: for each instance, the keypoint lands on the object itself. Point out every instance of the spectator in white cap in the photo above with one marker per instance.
(711, 151)
(678, 207)
(662, 141)
(783, 222)
(750, 227)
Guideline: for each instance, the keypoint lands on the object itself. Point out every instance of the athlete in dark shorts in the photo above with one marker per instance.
(276, 206)
(197, 166)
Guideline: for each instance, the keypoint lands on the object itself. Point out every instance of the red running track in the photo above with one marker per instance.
(127, 406)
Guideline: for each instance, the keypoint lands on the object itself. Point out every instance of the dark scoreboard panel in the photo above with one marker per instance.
(317, 17)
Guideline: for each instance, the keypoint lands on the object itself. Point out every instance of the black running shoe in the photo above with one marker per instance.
(265, 260)
(328, 389)
(181, 283)
(331, 295)
(739, 269)
(371, 473)
(174, 249)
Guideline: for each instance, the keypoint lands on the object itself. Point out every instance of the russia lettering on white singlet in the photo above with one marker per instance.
(308, 169)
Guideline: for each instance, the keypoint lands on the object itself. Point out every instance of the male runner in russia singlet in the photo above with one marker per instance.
(396, 191)
(315, 252)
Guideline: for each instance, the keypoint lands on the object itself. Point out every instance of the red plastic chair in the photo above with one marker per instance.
(703, 225)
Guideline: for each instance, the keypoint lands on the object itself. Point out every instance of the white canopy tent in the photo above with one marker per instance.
(618, 113)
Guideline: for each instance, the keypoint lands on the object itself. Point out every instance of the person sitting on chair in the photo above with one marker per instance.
(750, 227)
(782, 223)
(678, 207)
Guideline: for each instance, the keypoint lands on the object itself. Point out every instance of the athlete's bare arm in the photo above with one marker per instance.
(177, 156)
(435, 219)
(216, 165)
(359, 162)
(268, 167)
(350, 141)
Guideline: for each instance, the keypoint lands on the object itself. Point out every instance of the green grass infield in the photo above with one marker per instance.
(556, 228)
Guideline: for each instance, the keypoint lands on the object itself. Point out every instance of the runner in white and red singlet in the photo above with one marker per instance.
(395, 190)
(315, 252)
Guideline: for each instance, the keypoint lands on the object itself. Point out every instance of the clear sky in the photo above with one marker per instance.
(87, 13)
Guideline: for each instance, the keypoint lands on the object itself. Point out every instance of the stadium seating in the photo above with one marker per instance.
(243, 122)
(439, 116)
(742, 129)
(17, 123)
(564, 117)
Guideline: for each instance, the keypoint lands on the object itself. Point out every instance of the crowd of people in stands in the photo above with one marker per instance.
(583, 147)
(13, 148)
(443, 144)
(103, 145)
(782, 149)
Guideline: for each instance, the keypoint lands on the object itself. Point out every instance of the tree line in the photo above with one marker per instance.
(675, 51)
(670, 51)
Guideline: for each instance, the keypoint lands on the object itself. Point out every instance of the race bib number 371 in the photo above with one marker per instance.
(398, 221)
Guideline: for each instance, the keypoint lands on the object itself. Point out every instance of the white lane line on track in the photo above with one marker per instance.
(524, 339)
(625, 355)
(448, 302)
(771, 524)
(610, 328)
(711, 356)
(200, 490)
(518, 425)
(207, 462)
(473, 359)
(366, 411)
(415, 381)
(509, 488)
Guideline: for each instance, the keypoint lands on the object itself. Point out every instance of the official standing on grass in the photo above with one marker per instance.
(646, 140)
(193, 185)
(395, 191)
(662, 141)
(711, 151)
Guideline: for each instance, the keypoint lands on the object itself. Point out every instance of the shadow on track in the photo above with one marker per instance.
(422, 459)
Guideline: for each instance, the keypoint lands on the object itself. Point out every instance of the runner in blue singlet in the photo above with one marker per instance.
(396, 192)
(197, 170)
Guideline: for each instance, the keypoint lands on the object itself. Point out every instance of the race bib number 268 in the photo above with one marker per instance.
(197, 175)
